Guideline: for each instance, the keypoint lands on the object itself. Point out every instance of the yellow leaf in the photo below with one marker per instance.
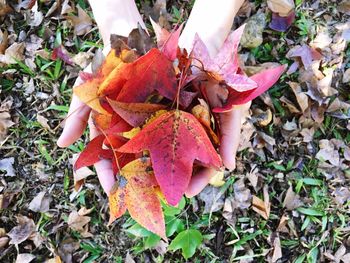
(217, 179)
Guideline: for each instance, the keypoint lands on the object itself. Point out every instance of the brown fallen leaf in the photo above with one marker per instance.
(282, 7)
(241, 199)
(282, 225)
(4, 8)
(305, 53)
(307, 134)
(7, 166)
(344, 7)
(40, 203)
(277, 250)
(3, 238)
(36, 16)
(66, 249)
(82, 23)
(13, 53)
(56, 259)
(328, 152)
(4, 241)
(322, 40)
(346, 76)
(213, 199)
(24, 258)
(5, 118)
(291, 200)
(3, 41)
(129, 259)
(263, 118)
(22, 231)
(302, 98)
(262, 207)
(43, 122)
(78, 221)
(80, 174)
(341, 195)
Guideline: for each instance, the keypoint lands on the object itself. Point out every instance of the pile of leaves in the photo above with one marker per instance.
(152, 107)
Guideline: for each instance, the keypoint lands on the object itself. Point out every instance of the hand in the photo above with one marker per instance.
(113, 16)
(127, 17)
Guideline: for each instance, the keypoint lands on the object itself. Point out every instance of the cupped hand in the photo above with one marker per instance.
(127, 17)
(230, 130)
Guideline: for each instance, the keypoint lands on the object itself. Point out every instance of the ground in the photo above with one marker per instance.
(288, 199)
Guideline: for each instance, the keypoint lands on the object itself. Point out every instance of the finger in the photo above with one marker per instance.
(230, 134)
(103, 168)
(105, 175)
(199, 181)
(75, 123)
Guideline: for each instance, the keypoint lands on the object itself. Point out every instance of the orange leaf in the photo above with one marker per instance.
(135, 113)
(88, 91)
(135, 81)
(137, 191)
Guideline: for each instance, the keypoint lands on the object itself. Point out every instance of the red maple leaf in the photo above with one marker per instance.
(265, 80)
(167, 41)
(224, 66)
(175, 140)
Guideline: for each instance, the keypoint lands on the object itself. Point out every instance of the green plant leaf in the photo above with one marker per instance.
(188, 241)
(173, 225)
(310, 211)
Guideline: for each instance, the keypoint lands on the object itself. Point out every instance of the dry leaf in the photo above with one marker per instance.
(129, 259)
(253, 176)
(4, 8)
(80, 174)
(77, 221)
(13, 53)
(43, 122)
(260, 206)
(302, 98)
(322, 40)
(3, 41)
(82, 23)
(282, 224)
(3, 242)
(22, 232)
(213, 199)
(292, 200)
(56, 259)
(66, 249)
(328, 152)
(346, 76)
(36, 16)
(282, 7)
(24, 258)
(344, 7)
(277, 250)
(40, 203)
(308, 134)
(5, 118)
(305, 53)
(341, 195)
(7, 166)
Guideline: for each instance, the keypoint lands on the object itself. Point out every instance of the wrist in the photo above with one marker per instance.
(212, 21)
(115, 17)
